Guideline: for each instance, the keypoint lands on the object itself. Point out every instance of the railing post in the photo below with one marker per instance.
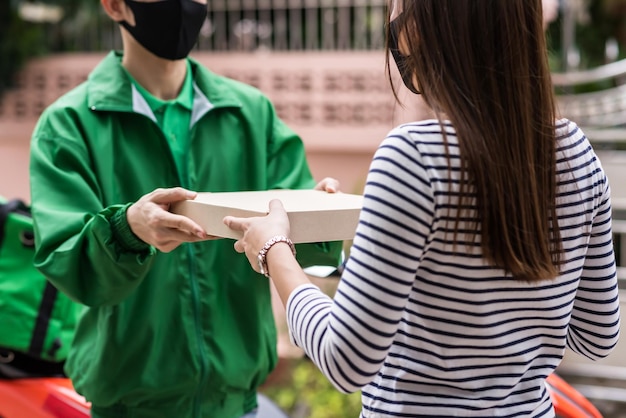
(328, 16)
(312, 18)
(569, 51)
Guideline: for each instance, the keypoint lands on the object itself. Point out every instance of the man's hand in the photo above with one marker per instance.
(149, 218)
(329, 185)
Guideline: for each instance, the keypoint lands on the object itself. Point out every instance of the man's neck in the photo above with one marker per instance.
(162, 78)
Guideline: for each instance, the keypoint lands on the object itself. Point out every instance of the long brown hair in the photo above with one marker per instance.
(483, 65)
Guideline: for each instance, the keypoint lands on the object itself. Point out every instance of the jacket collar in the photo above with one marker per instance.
(110, 89)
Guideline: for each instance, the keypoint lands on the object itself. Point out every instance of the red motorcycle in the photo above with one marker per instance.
(568, 402)
(49, 397)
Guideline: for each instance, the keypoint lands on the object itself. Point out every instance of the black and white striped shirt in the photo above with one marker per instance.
(429, 328)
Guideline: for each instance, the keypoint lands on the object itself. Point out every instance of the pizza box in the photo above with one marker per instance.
(314, 215)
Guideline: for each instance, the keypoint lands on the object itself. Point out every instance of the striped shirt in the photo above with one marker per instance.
(427, 328)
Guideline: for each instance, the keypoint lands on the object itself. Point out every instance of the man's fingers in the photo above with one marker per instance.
(167, 239)
(183, 224)
(175, 194)
(329, 185)
(332, 186)
(181, 236)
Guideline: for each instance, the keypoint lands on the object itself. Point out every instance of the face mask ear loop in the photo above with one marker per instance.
(125, 23)
(395, 10)
(402, 61)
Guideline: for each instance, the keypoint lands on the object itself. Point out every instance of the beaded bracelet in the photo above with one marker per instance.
(262, 257)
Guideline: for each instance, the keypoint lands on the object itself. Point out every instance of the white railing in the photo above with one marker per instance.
(250, 25)
(596, 100)
(294, 25)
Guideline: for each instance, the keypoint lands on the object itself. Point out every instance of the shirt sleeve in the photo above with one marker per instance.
(349, 338)
(594, 325)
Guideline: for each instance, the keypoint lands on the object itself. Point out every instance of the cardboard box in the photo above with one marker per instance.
(314, 216)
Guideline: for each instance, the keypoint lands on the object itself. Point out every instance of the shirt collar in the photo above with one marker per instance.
(110, 89)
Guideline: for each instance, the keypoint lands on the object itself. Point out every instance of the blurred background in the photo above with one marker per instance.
(322, 64)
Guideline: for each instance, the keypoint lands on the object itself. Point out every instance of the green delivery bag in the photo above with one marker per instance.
(36, 320)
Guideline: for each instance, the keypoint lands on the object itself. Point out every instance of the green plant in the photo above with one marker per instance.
(596, 23)
(19, 40)
(306, 393)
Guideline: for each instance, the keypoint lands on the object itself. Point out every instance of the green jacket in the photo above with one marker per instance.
(184, 334)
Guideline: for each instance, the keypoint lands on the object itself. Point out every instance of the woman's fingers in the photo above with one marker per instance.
(239, 247)
(258, 230)
(234, 223)
(276, 206)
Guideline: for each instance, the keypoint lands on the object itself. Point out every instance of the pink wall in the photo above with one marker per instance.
(339, 102)
(13, 165)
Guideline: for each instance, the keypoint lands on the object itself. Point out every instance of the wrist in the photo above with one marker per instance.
(123, 233)
(262, 256)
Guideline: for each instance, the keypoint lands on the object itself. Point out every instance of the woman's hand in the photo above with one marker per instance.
(258, 230)
(283, 267)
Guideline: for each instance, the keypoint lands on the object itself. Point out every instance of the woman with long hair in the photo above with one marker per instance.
(484, 246)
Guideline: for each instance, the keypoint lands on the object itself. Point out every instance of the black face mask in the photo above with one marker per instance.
(167, 28)
(400, 59)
